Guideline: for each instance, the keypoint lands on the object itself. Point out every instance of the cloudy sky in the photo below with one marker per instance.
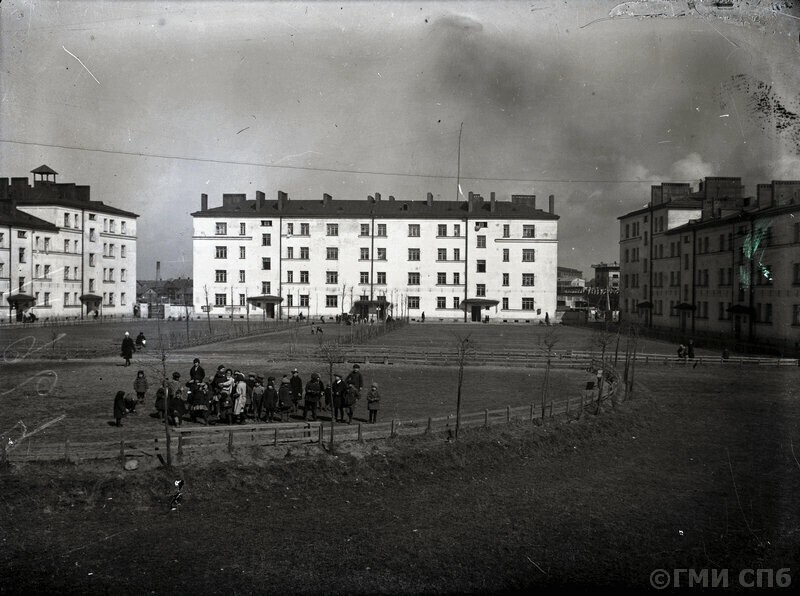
(154, 103)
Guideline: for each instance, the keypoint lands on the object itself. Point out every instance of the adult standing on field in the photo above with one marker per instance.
(126, 351)
(338, 389)
(313, 394)
(196, 373)
(355, 378)
(296, 385)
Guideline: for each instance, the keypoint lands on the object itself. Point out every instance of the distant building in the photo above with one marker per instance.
(451, 260)
(716, 261)
(171, 291)
(571, 289)
(63, 255)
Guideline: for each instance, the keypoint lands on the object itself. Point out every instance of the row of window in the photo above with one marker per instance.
(72, 299)
(414, 254)
(332, 229)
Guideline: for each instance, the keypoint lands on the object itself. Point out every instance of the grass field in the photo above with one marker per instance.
(698, 471)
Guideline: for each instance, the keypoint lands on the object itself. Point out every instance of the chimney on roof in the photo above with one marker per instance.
(3, 189)
(82, 193)
(158, 270)
(552, 201)
(492, 203)
(282, 198)
(469, 196)
(391, 197)
(429, 199)
(260, 199)
(19, 188)
(204, 202)
(377, 197)
(326, 198)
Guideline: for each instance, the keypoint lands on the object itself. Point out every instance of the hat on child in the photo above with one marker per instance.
(285, 380)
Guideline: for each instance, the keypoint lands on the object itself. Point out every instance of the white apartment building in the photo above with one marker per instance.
(447, 259)
(63, 255)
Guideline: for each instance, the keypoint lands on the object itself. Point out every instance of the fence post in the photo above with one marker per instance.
(531, 411)
(230, 439)
(320, 434)
(391, 429)
(122, 449)
(486, 417)
(276, 438)
(66, 449)
(180, 443)
(428, 429)
(551, 409)
(359, 432)
(508, 413)
(568, 405)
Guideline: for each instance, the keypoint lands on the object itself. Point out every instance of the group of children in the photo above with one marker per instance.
(231, 396)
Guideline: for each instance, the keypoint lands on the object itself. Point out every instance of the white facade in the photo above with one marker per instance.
(323, 261)
(87, 249)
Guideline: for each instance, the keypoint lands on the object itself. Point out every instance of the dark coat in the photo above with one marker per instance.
(314, 390)
(296, 385)
(197, 374)
(338, 390)
(356, 379)
(373, 399)
(351, 397)
(285, 395)
(119, 404)
(127, 348)
(270, 398)
(140, 384)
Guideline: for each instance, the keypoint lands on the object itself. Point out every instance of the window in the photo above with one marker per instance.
(381, 254)
(527, 279)
(364, 230)
(304, 277)
(331, 277)
(382, 230)
(529, 231)
(221, 229)
(242, 300)
(441, 254)
(456, 278)
(331, 301)
(110, 275)
(413, 254)
(413, 279)
(506, 255)
(685, 261)
(505, 279)
(441, 230)
(456, 254)
(266, 239)
(332, 229)
(796, 267)
(290, 277)
(363, 277)
(305, 300)
(289, 229)
(304, 229)
(37, 270)
(266, 263)
(413, 230)
(304, 253)
(21, 255)
(46, 244)
(242, 229)
(527, 304)
(441, 279)
(289, 252)
(456, 230)
(413, 302)
(506, 231)
(220, 299)
(441, 302)
(363, 254)
(480, 290)
(112, 226)
(266, 287)
(221, 276)
(528, 255)
(332, 253)
(111, 250)
(105, 224)
(456, 301)
(505, 303)
(66, 298)
(242, 252)
(797, 232)
(221, 252)
(481, 266)
(241, 276)
(22, 234)
(121, 250)
(289, 300)
(123, 275)
(66, 245)
(91, 284)
(266, 223)
(481, 242)
(381, 278)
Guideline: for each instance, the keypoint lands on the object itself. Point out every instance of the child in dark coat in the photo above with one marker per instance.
(270, 400)
(119, 407)
(373, 401)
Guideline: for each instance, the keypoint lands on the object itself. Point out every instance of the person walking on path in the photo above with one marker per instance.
(119, 407)
(314, 391)
(126, 351)
(373, 402)
(296, 385)
(140, 386)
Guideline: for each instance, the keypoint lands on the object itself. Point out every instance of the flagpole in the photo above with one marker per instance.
(458, 176)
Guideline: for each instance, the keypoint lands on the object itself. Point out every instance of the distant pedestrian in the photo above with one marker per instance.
(423, 316)
(373, 402)
(725, 353)
(141, 341)
(126, 351)
(681, 351)
(140, 386)
(119, 407)
(690, 349)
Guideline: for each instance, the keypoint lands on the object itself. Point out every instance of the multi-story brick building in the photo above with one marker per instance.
(715, 261)
(450, 260)
(63, 255)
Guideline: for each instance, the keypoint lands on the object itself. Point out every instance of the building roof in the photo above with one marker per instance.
(687, 203)
(12, 217)
(384, 209)
(43, 169)
(743, 215)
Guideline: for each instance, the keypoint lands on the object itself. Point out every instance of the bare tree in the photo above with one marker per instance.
(550, 339)
(331, 353)
(208, 309)
(464, 351)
